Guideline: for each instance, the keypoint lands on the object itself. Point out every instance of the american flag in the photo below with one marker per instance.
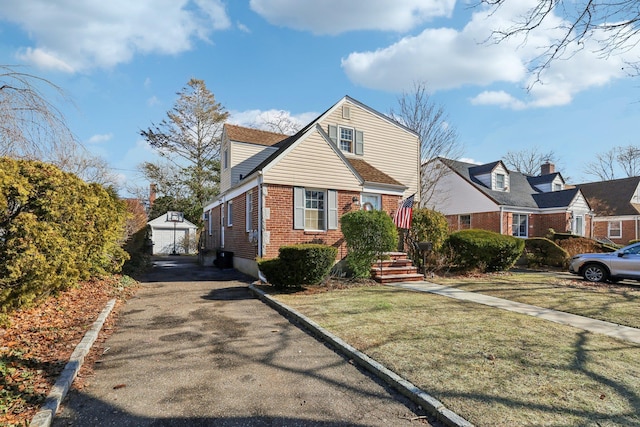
(402, 218)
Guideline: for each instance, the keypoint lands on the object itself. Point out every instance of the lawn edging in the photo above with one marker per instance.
(44, 417)
(406, 388)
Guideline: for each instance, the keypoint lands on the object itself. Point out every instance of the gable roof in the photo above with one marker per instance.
(521, 192)
(162, 221)
(487, 168)
(612, 198)
(371, 173)
(253, 136)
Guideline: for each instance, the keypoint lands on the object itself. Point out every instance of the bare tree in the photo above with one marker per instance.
(33, 128)
(438, 138)
(528, 161)
(613, 25)
(190, 139)
(278, 122)
(606, 164)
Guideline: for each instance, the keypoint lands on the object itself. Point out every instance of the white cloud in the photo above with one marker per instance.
(243, 27)
(338, 16)
(447, 58)
(259, 118)
(71, 36)
(100, 138)
(153, 101)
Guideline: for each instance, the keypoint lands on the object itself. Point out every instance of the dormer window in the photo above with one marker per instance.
(557, 186)
(500, 181)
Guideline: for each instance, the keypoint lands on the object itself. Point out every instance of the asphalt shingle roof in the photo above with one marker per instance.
(253, 136)
(612, 198)
(370, 173)
(521, 193)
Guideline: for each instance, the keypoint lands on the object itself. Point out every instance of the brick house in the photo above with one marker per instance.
(493, 198)
(280, 190)
(617, 207)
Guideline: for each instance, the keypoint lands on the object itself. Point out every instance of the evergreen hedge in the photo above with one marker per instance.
(55, 229)
(484, 250)
(298, 265)
(541, 251)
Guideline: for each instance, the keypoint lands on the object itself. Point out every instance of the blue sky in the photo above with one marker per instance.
(122, 63)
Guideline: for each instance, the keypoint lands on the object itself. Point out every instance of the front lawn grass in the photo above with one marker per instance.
(618, 303)
(492, 367)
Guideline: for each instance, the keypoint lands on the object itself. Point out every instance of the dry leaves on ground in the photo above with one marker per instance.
(37, 343)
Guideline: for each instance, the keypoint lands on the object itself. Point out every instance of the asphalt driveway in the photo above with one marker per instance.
(195, 348)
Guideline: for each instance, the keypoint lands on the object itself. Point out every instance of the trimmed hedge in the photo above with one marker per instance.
(427, 226)
(484, 250)
(298, 265)
(541, 251)
(55, 230)
(368, 234)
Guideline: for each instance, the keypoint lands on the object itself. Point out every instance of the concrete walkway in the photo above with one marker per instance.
(586, 323)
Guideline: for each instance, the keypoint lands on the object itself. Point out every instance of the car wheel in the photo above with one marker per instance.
(594, 273)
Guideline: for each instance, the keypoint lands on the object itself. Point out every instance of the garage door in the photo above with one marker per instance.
(163, 240)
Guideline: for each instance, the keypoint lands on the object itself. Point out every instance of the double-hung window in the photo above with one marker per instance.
(615, 229)
(315, 209)
(348, 140)
(500, 181)
(465, 222)
(519, 226)
(230, 213)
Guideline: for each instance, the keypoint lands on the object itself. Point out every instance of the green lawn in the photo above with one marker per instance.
(492, 367)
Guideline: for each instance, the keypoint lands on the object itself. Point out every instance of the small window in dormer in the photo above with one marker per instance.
(557, 187)
(346, 112)
(500, 181)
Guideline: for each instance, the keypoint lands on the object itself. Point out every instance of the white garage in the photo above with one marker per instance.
(172, 234)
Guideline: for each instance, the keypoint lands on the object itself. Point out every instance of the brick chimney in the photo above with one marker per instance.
(547, 168)
(152, 194)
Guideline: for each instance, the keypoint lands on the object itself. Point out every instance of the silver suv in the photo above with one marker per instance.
(613, 266)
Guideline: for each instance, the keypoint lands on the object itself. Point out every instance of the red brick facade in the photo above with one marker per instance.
(278, 201)
(629, 231)
(538, 224)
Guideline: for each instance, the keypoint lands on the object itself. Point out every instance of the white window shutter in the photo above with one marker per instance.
(359, 142)
(298, 208)
(333, 133)
(332, 213)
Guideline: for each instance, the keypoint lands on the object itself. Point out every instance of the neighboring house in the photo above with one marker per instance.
(172, 234)
(491, 197)
(616, 204)
(280, 190)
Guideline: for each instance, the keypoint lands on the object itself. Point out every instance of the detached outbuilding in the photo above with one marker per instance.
(171, 234)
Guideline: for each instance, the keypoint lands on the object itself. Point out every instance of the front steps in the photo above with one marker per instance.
(397, 268)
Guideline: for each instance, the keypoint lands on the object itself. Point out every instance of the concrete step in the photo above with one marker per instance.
(394, 278)
(391, 263)
(393, 270)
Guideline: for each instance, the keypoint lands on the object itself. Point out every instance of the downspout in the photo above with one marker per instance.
(260, 228)
(501, 220)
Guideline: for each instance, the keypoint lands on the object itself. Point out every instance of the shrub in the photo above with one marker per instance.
(582, 245)
(484, 250)
(541, 251)
(427, 226)
(368, 234)
(297, 265)
(55, 230)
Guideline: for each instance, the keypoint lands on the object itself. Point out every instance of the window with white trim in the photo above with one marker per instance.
(464, 221)
(315, 209)
(230, 213)
(520, 225)
(369, 201)
(348, 140)
(614, 229)
(557, 186)
(249, 211)
(500, 181)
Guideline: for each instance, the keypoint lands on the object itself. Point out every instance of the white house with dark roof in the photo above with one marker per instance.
(280, 190)
(491, 197)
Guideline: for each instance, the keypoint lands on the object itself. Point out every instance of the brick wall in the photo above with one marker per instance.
(279, 200)
(236, 236)
(601, 229)
(484, 221)
(560, 222)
